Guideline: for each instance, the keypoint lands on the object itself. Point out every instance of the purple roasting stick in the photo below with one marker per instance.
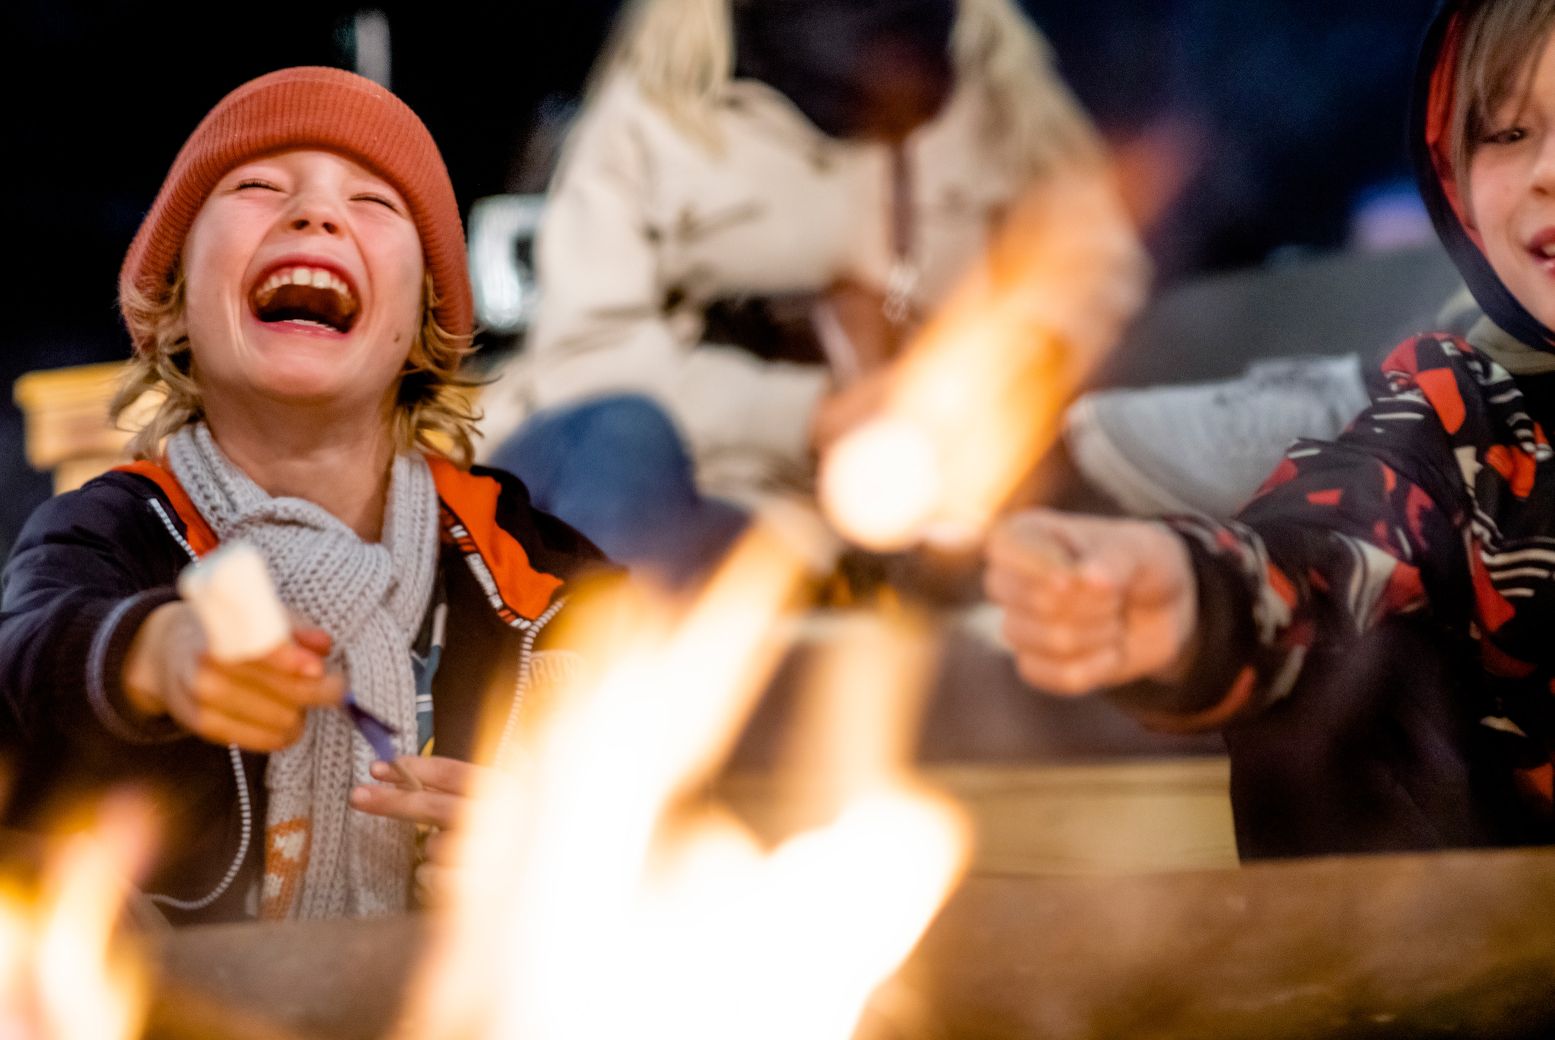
(380, 737)
(378, 734)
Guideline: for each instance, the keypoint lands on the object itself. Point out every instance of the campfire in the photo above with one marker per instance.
(597, 862)
(605, 891)
(67, 970)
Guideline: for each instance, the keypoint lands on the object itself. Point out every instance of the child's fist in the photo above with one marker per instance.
(1091, 602)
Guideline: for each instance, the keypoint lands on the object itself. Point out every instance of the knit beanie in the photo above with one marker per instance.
(309, 107)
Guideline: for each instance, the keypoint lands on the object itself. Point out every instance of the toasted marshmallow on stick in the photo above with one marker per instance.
(234, 598)
(232, 594)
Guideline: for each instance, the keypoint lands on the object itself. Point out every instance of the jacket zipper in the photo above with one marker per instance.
(521, 684)
(245, 804)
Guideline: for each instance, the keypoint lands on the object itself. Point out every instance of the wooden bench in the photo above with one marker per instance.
(67, 428)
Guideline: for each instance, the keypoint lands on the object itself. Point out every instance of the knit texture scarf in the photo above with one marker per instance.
(322, 858)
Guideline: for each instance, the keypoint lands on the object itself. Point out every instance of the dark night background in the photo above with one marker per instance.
(1293, 110)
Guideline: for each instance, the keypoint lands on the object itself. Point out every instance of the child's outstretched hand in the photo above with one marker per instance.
(1092, 602)
(432, 792)
(259, 705)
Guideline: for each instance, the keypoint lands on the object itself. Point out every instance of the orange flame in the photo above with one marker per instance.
(63, 973)
(977, 397)
(600, 898)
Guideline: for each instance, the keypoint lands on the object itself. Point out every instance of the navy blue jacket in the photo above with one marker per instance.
(91, 564)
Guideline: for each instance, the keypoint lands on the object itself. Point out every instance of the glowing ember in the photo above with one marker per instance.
(603, 897)
(882, 483)
(62, 974)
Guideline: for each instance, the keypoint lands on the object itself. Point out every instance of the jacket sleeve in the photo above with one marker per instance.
(87, 570)
(1341, 536)
(601, 326)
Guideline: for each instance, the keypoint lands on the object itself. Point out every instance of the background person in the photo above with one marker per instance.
(756, 206)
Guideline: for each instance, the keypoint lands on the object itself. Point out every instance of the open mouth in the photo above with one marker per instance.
(309, 296)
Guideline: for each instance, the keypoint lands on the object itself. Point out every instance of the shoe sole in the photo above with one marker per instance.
(1110, 471)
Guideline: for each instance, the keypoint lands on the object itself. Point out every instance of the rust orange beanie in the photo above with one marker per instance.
(310, 107)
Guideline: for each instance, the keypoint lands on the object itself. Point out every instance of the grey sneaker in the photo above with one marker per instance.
(1206, 447)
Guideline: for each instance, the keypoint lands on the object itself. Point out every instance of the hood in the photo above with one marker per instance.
(1429, 124)
(857, 69)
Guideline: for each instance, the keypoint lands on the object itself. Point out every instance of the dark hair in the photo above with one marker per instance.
(1500, 44)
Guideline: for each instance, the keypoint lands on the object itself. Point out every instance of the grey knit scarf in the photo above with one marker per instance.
(322, 858)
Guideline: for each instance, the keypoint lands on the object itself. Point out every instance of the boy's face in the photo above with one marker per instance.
(1512, 190)
(304, 279)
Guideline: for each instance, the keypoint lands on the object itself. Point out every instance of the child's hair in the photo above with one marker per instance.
(681, 52)
(433, 409)
(1500, 43)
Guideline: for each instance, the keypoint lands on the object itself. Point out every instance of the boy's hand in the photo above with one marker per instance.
(259, 705)
(1092, 602)
(431, 792)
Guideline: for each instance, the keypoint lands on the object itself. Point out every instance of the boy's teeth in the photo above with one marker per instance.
(313, 277)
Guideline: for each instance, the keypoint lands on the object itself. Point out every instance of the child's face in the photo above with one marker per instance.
(1512, 190)
(304, 281)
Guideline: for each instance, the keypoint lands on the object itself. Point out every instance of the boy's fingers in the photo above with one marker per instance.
(434, 808)
(439, 847)
(1074, 678)
(215, 691)
(1079, 603)
(1062, 555)
(1030, 544)
(220, 728)
(313, 639)
(432, 882)
(1062, 643)
(434, 772)
(285, 683)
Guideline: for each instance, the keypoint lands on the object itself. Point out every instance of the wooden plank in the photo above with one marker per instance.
(1444, 945)
(1110, 818)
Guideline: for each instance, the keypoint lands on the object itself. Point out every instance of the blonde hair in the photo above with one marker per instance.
(1497, 51)
(681, 53)
(433, 408)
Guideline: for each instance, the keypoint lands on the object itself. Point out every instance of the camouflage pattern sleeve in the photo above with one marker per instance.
(1381, 522)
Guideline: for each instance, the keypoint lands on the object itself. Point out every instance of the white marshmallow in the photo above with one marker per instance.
(234, 598)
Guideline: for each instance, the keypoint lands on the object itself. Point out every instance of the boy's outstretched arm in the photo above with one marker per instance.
(1200, 622)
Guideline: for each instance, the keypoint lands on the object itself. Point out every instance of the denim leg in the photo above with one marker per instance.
(617, 470)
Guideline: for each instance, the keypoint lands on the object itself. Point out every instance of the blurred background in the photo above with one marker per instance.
(1284, 117)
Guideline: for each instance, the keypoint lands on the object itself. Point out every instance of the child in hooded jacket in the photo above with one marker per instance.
(1371, 631)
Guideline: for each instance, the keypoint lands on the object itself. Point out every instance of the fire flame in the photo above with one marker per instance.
(602, 896)
(63, 973)
(977, 397)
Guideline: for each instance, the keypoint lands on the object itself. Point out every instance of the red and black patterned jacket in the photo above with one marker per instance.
(1433, 515)
(1438, 501)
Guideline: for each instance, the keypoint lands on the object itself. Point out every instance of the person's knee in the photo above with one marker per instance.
(617, 435)
(631, 424)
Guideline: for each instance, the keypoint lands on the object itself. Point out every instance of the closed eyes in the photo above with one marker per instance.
(381, 200)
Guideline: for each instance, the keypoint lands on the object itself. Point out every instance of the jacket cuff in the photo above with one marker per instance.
(1220, 679)
(105, 671)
